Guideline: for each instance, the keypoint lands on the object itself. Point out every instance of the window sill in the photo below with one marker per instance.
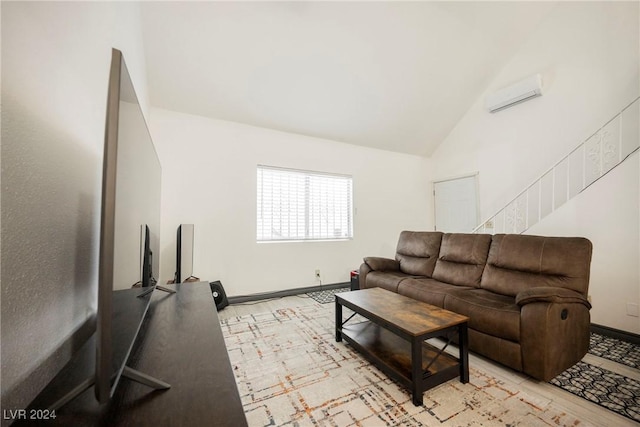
(345, 239)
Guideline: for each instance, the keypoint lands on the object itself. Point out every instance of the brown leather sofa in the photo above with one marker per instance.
(525, 296)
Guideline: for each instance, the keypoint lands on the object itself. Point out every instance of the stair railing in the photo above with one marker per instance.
(609, 146)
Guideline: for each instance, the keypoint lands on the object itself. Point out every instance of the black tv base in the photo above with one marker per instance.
(158, 287)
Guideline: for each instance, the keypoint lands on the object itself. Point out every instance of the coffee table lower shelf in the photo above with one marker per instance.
(392, 355)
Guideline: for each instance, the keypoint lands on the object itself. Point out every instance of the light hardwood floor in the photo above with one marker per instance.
(566, 401)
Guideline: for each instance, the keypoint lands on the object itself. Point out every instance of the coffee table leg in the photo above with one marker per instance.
(416, 371)
(338, 321)
(464, 353)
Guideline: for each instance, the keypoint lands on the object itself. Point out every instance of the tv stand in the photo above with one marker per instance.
(145, 379)
(127, 372)
(158, 287)
(179, 341)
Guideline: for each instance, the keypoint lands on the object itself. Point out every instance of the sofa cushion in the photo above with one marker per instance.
(387, 280)
(427, 290)
(417, 252)
(462, 258)
(382, 264)
(519, 262)
(503, 351)
(490, 313)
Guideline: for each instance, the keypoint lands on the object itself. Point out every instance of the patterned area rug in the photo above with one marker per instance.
(290, 371)
(615, 350)
(326, 296)
(608, 389)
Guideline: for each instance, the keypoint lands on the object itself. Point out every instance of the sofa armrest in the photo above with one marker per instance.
(382, 264)
(551, 294)
(553, 336)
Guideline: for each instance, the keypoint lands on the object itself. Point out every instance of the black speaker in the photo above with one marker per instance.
(219, 295)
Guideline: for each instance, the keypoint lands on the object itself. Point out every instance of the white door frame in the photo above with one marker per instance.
(473, 175)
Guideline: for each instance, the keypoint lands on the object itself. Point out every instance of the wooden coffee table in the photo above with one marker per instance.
(394, 337)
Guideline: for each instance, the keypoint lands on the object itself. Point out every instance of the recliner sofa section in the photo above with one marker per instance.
(525, 296)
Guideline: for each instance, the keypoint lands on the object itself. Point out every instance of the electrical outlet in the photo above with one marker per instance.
(317, 274)
(488, 224)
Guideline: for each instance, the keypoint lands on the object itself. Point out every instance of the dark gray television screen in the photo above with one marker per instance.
(184, 253)
(130, 204)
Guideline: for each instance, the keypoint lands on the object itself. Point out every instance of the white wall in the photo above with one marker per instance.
(606, 213)
(209, 180)
(55, 68)
(588, 54)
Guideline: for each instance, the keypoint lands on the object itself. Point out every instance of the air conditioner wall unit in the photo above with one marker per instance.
(528, 88)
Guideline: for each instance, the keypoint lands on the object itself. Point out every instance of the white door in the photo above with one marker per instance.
(456, 204)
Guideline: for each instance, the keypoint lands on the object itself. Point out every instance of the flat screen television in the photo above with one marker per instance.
(184, 253)
(148, 277)
(129, 237)
(131, 183)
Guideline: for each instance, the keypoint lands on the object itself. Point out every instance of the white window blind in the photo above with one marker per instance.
(303, 205)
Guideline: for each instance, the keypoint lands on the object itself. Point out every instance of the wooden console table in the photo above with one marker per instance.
(181, 343)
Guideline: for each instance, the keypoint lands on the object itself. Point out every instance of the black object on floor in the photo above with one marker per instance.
(326, 296)
(219, 295)
(613, 391)
(615, 350)
(601, 386)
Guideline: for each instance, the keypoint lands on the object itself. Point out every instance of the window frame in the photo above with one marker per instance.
(308, 174)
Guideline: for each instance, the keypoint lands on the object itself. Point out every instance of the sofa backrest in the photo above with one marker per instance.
(462, 258)
(417, 252)
(519, 262)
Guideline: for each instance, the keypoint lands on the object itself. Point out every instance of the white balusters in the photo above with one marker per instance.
(591, 160)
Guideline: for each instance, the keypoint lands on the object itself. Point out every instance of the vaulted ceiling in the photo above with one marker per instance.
(391, 75)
